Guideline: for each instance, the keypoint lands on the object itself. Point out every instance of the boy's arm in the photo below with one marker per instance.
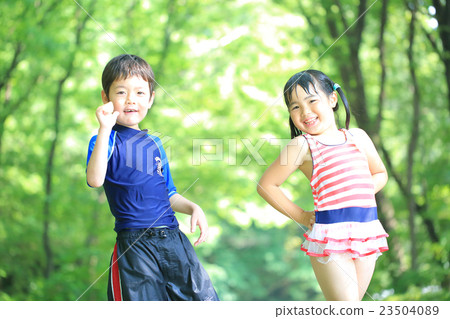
(185, 206)
(172, 190)
(376, 166)
(181, 204)
(98, 162)
(291, 157)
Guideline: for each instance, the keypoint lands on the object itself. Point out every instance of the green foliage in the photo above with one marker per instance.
(220, 67)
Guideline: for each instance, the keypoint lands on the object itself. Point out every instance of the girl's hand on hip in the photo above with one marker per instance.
(307, 218)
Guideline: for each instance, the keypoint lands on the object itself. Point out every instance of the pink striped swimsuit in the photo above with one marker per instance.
(344, 203)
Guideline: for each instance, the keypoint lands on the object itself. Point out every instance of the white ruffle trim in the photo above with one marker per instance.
(352, 239)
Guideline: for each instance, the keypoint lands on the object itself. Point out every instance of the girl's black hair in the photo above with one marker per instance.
(313, 78)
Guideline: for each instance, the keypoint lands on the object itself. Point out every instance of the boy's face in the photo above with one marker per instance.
(132, 98)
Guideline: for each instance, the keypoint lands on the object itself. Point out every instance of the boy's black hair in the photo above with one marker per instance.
(312, 78)
(125, 66)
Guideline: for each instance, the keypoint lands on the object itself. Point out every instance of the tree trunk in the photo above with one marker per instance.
(159, 70)
(414, 138)
(387, 217)
(381, 46)
(358, 103)
(4, 83)
(49, 265)
(443, 17)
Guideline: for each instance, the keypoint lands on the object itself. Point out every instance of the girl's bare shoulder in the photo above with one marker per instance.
(298, 150)
(358, 133)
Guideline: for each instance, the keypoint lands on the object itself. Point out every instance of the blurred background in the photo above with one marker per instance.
(221, 67)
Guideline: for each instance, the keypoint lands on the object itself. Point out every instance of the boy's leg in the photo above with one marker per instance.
(337, 278)
(135, 273)
(187, 280)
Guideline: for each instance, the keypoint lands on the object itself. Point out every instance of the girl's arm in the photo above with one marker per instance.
(185, 206)
(291, 157)
(96, 169)
(376, 166)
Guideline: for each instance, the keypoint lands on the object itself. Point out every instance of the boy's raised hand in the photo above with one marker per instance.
(199, 218)
(106, 115)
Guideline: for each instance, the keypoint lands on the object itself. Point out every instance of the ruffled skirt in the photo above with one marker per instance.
(346, 239)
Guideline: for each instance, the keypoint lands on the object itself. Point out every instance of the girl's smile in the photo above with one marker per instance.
(311, 121)
(312, 112)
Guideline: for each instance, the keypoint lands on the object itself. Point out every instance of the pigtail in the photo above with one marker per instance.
(294, 130)
(338, 89)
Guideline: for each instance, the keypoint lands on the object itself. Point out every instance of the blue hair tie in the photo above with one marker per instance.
(336, 86)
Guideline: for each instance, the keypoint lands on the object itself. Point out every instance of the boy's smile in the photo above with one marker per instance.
(132, 98)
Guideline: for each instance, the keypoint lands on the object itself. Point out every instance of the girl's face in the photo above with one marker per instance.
(312, 112)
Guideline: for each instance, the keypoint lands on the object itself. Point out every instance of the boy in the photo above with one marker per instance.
(152, 258)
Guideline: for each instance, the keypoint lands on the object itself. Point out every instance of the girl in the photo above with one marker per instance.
(345, 171)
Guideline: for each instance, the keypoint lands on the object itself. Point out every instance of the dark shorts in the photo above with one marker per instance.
(157, 264)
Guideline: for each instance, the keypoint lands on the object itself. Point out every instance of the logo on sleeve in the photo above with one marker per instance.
(158, 166)
(141, 149)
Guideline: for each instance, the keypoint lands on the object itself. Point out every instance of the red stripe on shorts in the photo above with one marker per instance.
(115, 277)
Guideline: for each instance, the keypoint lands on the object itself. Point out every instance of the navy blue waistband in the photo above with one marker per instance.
(161, 232)
(348, 214)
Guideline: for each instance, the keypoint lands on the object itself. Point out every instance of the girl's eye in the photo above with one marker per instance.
(141, 93)
(120, 92)
(294, 107)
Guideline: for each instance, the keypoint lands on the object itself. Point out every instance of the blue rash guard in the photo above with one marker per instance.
(138, 183)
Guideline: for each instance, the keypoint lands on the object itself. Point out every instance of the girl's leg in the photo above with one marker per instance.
(338, 278)
(364, 271)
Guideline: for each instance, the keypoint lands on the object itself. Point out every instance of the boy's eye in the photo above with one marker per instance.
(120, 92)
(141, 92)
(294, 107)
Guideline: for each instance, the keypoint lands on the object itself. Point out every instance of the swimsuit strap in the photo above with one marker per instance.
(316, 155)
(347, 134)
(350, 139)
